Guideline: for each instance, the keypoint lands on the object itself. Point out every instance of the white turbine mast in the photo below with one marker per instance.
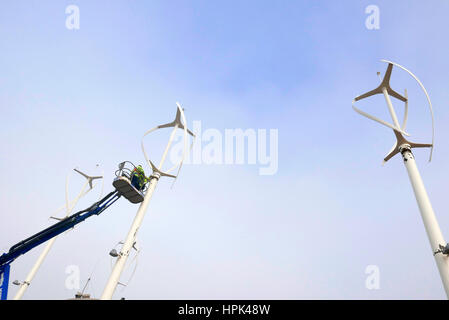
(440, 249)
(179, 123)
(69, 205)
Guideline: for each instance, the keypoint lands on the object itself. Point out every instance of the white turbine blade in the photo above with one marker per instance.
(70, 205)
(180, 164)
(155, 169)
(428, 100)
(379, 120)
(180, 125)
(184, 151)
(404, 123)
(143, 147)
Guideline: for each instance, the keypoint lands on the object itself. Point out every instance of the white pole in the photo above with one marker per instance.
(390, 108)
(25, 284)
(114, 278)
(428, 216)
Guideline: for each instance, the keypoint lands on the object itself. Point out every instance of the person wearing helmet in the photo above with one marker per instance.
(138, 178)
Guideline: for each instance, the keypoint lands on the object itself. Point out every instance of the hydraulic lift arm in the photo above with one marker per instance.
(123, 186)
(50, 232)
(58, 228)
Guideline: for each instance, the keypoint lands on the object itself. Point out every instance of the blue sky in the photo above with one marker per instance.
(77, 98)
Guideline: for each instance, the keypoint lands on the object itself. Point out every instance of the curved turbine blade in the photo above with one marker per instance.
(183, 126)
(177, 123)
(404, 123)
(379, 120)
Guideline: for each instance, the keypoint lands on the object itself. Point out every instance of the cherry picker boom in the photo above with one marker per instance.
(124, 188)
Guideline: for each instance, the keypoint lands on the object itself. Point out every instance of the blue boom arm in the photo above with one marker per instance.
(52, 231)
(58, 228)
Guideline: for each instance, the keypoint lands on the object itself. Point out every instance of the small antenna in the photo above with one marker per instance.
(85, 286)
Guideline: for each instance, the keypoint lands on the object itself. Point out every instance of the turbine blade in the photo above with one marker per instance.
(163, 174)
(396, 95)
(181, 126)
(391, 155)
(167, 125)
(404, 123)
(421, 145)
(81, 173)
(379, 120)
(368, 94)
(388, 154)
(387, 76)
(178, 115)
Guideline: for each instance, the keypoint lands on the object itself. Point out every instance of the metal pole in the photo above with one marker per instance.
(25, 284)
(390, 108)
(428, 216)
(114, 278)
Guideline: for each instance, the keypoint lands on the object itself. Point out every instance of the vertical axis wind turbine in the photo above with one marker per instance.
(69, 208)
(439, 247)
(127, 246)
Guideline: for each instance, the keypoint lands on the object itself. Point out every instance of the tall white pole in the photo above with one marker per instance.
(428, 216)
(425, 207)
(390, 108)
(114, 278)
(26, 283)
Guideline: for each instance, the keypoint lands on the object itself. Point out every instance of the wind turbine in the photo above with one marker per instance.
(127, 246)
(440, 249)
(89, 178)
(69, 208)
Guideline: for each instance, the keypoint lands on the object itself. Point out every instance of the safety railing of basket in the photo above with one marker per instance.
(125, 169)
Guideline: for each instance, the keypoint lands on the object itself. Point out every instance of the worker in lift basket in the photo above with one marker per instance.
(138, 178)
